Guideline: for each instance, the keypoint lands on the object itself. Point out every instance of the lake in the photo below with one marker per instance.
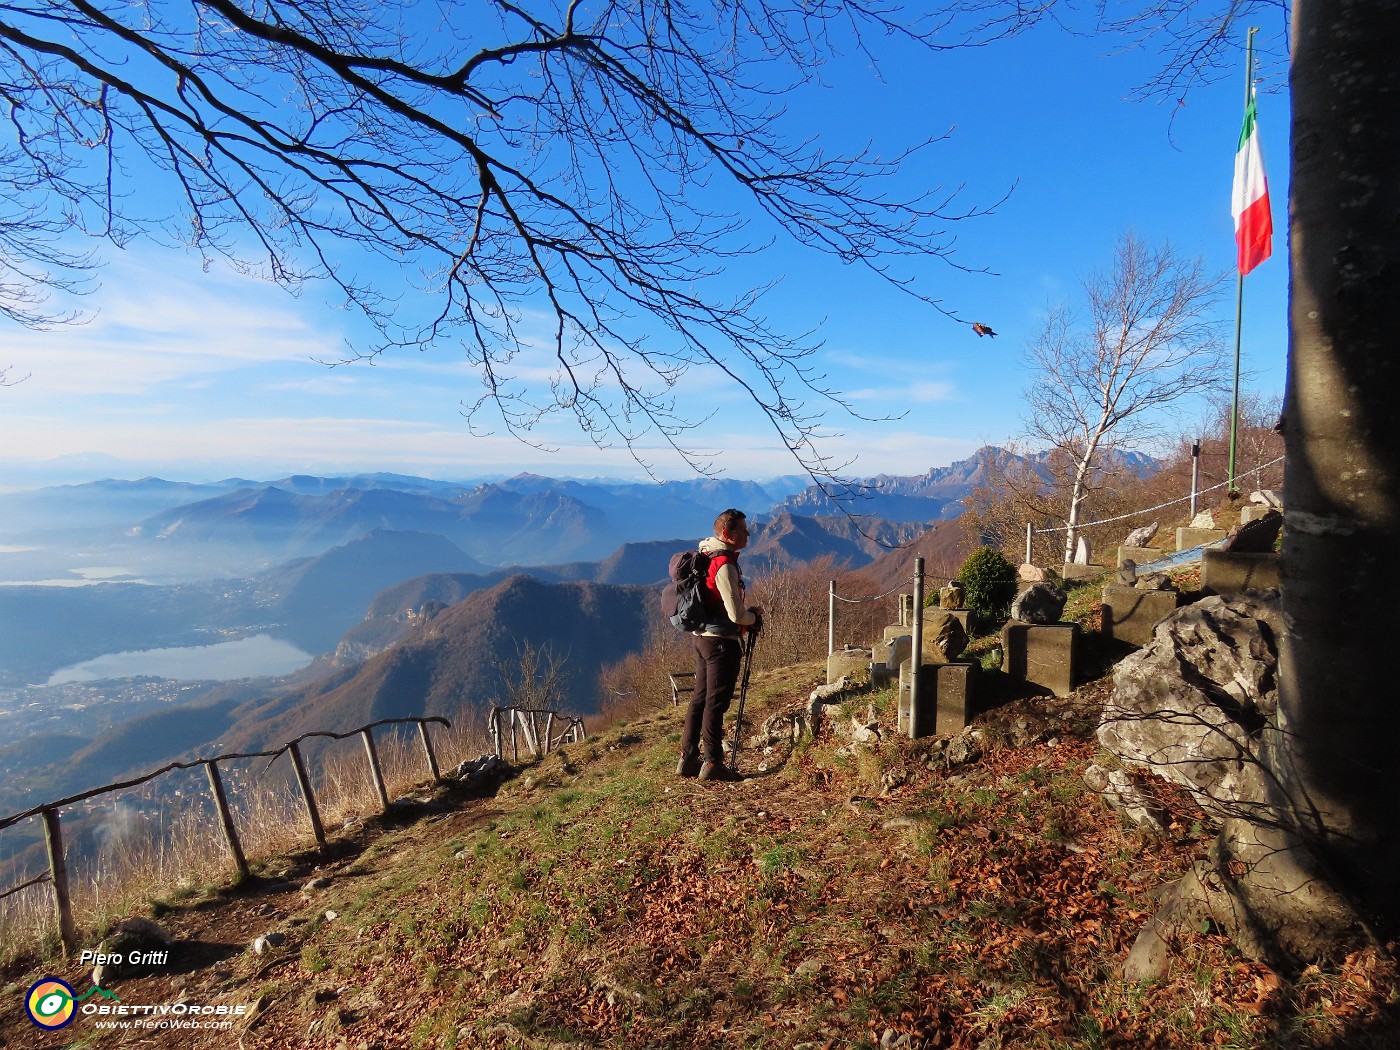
(255, 657)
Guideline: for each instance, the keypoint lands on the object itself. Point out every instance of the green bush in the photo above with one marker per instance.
(989, 581)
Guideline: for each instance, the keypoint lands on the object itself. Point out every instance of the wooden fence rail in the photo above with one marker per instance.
(536, 727)
(57, 874)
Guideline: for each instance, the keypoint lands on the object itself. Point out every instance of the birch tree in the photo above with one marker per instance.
(1105, 378)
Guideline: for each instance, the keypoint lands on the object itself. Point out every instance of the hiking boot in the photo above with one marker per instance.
(688, 766)
(718, 771)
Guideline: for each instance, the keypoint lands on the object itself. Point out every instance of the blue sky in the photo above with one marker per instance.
(189, 373)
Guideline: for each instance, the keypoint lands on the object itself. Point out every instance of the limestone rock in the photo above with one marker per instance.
(964, 748)
(126, 938)
(1139, 537)
(1082, 551)
(944, 638)
(1204, 520)
(1119, 790)
(1193, 704)
(1039, 603)
(1028, 573)
(1127, 572)
(486, 771)
(1255, 537)
(952, 596)
(1266, 498)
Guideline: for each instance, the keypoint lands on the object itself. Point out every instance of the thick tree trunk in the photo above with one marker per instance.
(1339, 686)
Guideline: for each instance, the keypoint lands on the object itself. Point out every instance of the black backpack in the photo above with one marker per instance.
(683, 598)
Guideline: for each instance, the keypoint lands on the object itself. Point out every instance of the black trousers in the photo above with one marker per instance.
(717, 662)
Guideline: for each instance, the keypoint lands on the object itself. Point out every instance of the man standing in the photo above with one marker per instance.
(719, 650)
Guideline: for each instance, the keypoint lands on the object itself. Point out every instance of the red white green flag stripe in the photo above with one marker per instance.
(1254, 224)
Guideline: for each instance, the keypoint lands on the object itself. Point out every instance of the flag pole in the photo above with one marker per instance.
(1239, 287)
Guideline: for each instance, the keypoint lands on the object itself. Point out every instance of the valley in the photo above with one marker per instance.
(148, 621)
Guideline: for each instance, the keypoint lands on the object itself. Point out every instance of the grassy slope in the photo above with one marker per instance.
(844, 896)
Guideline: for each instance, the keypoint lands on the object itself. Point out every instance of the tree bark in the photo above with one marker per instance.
(1341, 558)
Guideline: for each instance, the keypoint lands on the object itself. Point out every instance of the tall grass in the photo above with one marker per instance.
(143, 848)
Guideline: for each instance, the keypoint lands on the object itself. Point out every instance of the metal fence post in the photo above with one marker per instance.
(917, 658)
(830, 617)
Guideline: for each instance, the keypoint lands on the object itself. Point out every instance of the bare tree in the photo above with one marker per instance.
(597, 161)
(537, 680)
(1102, 383)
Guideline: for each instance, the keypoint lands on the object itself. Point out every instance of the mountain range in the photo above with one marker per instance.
(409, 591)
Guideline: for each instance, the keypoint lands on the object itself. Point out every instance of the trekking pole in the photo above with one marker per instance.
(743, 694)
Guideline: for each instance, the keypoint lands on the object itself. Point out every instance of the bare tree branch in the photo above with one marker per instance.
(600, 161)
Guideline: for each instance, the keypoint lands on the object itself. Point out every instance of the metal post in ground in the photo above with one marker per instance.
(830, 617)
(916, 658)
(1195, 474)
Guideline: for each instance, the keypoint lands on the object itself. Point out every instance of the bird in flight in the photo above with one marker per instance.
(981, 329)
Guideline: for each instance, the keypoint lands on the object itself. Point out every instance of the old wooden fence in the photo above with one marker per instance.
(536, 727)
(53, 832)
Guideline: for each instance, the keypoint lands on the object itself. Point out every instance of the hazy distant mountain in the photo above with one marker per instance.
(673, 508)
(320, 598)
(931, 496)
(788, 539)
(448, 664)
(96, 507)
(494, 525)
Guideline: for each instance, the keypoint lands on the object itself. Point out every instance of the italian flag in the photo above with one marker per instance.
(1254, 224)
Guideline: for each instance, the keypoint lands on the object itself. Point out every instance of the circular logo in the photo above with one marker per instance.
(50, 1003)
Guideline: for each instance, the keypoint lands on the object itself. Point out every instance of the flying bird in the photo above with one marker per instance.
(981, 329)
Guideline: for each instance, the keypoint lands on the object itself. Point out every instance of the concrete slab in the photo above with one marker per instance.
(1130, 613)
(851, 662)
(1074, 571)
(1253, 512)
(1230, 572)
(1186, 538)
(1042, 654)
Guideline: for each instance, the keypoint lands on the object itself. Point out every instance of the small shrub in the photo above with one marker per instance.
(989, 583)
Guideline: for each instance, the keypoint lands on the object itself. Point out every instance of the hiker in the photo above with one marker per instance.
(719, 650)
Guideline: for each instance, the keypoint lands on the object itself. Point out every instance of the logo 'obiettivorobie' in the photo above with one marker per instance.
(50, 1003)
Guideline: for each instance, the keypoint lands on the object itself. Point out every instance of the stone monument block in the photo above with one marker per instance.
(945, 697)
(848, 661)
(1073, 571)
(1230, 572)
(893, 631)
(1186, 538)
(1137, 555)
(1042, 654)
(1130, 613)
(1252, 512)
